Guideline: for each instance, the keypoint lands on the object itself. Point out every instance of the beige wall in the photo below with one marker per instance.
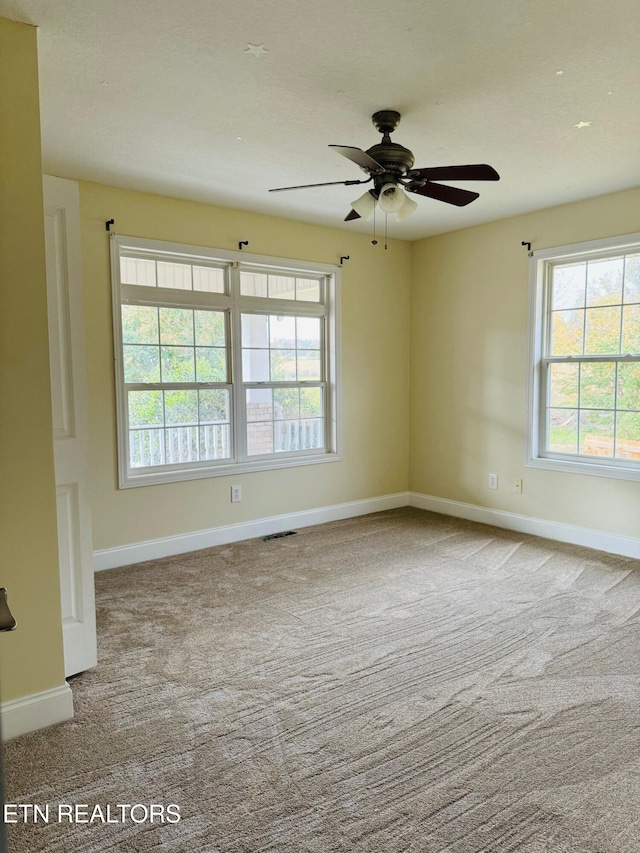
(375, 369)
(469, 353)
(31, 657)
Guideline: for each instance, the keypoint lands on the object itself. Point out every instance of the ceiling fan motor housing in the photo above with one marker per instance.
(395, 159)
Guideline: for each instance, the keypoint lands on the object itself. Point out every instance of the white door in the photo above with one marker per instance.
(70, 428)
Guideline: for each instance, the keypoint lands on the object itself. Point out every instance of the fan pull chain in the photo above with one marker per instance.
(386, 219)
(374, 242)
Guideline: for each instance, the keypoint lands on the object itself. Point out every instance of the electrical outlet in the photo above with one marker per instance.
(236, 494)
(493, 481)
(518, 485)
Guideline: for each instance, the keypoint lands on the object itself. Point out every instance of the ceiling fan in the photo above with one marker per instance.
(390, 167)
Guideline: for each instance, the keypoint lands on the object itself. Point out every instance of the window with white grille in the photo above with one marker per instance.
(586, 358)
(225, 362)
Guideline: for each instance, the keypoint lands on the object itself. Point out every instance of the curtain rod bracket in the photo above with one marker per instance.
(242, 243)
(109, 223)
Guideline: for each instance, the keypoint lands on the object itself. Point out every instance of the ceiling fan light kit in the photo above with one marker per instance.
(365, 205)
(391, 198)
(409, 206)
(390, 167)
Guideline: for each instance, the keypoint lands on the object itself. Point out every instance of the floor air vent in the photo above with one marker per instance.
(279, 535)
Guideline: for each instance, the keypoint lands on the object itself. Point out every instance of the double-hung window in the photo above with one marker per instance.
(225, 362)
(585, 389)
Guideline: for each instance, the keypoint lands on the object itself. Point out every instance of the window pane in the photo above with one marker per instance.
(255, 365)
(563, 385)
(562, 430)
(253, 284)
(602, 330)
(598, 386)
(210, 328)
(631, 328)
(568, 289)
(141, 364)
(146, 448)
(177, 276)
(255, 330)
(308, 332)
(139, 324)
(259, 438)
(208, 279)
(628, 435)
(145, 408)
(282, 287)
(567, 329)
(311, 433)
(286, 403)
(214, 405)
(138, 271)
(604, 282)
(181, 444)
(632, 278)
(629, 386)
(311, 402)
(287, 436)
(181, 439)
(181, 407)
(178, 364)
(291, 435)
(259, 404)
(215, 441)
(307, 290)
(596, 433)
(283, 365)
(211, 364)
(309, 365)
(176, 326)
(282, 332)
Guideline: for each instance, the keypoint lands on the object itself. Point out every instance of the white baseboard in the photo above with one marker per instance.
(125, 555)
(627, 546)
(36, 711)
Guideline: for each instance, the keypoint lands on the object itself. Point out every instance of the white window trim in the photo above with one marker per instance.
(538, 266)
(134, 477)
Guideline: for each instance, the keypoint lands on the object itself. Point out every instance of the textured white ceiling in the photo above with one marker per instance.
(153, 95)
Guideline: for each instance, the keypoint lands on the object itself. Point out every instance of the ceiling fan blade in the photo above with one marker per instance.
(326, 184)
(452, 195)
(357, 155)
(352, 215)
(475, 172)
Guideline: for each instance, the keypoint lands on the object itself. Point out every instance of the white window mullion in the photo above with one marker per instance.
(333, 362)
(238, 401)
(544, 407)
(325, 373)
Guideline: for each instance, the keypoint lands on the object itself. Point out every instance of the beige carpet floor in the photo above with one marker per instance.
(398, 682)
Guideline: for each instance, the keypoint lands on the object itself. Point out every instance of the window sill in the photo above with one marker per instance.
(180, 474)
(616, 472)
